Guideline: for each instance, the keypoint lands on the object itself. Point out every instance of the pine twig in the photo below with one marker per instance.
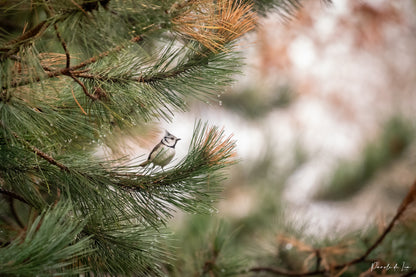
(64, 46)
(14, 213)
(71, 70)
(84, 88)
(13, 195)
(318, 258)
(278, 271)
(410, 198)
(12, 47)
(76, 101)
(210, 263)
(104, 54)
(41, 154)
(141, 79)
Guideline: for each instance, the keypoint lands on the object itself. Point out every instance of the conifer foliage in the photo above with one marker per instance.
(74, 72)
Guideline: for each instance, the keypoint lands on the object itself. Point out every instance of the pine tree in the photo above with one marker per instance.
(73, 75)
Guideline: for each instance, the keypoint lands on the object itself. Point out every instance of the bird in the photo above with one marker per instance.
(163, 152)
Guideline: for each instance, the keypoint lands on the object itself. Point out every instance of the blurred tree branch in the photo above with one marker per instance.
(407, 201)
(70, 70)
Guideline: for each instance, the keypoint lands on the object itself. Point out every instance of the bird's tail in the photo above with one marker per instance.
(144, 163)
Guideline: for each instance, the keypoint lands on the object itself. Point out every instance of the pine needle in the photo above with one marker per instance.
(215, 24)
(76, 101)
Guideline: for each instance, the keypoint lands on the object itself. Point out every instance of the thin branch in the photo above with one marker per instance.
(14, 213)
(49, 10)
(76, 101)
(41, 154)
(410, 198)
(13, 195)
(104, 54)
(48, 158)
(84, 88)
(12, 47)
(142, 79)
(74, 72)
(99, 77)
(64, 46)
(318, 258)
(70, 70)
(278, 271)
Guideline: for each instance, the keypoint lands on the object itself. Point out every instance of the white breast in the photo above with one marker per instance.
(162, 156)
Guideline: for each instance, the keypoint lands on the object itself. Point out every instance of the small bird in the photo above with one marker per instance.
(163, 152)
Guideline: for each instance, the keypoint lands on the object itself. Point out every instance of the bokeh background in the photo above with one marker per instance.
(323, 114)
(323, 118)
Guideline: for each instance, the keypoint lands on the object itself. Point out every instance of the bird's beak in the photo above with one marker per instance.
(178, 139)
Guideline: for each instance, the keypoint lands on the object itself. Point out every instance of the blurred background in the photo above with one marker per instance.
(323, 118)
(323, 115)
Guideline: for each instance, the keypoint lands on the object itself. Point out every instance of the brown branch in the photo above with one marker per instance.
(97, 77)
(209, 264)
(104, 54)
(41, 154)
(14, 213)
(141, 79)
(278, 271)
(13, 195)
(64, 46)
(84, 88)
(76, 101)
(49, 10)
(12, 47)
(75, 72)
(410, 198)
(318, 258)
(70, 70)
(48, 158)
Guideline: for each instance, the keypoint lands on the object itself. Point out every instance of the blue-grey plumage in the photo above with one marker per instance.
(163, 152)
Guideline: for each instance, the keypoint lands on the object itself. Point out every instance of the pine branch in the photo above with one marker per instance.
(39, 252)
(70, 70)
(14, 213)
(64, 46)
(114, 214)
(282, 272)
(409, 199)
(192, 185)
(94, 59)
(13, 195)
(41, 154)
(191, 61)
(13, 46)
(124, 247)
(208, 150)
(214, 24)
(84, 88)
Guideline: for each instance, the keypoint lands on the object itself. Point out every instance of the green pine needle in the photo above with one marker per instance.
(49, 245)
